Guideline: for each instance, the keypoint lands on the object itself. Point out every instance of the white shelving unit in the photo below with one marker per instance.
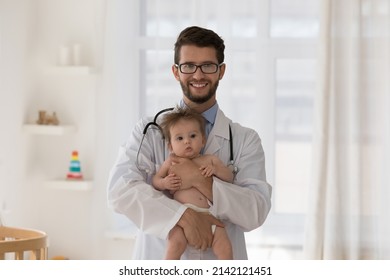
(49, 129)
(63, 73)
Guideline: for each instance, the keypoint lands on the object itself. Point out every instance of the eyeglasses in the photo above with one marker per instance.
(207, 68)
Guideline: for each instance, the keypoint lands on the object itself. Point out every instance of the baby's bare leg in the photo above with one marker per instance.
(222, 247)
(177, 244)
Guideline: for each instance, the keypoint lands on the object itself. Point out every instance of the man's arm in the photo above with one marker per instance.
(129, 191)
(247, 202)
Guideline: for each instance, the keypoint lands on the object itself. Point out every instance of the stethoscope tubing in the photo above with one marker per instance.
(154, 123)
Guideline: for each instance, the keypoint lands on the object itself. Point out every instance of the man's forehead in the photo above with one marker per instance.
(191, 53)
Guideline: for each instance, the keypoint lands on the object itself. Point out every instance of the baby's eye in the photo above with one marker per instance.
(179, 138)
(193, 135)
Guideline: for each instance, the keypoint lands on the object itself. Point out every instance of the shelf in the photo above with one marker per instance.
(73, 185)
(49, 129)
(71, 70)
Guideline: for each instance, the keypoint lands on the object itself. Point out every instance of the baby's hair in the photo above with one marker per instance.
(171, 119)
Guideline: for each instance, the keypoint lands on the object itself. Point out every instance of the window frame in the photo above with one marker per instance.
(289, 227)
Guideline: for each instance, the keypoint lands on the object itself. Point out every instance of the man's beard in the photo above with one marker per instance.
(199, 99)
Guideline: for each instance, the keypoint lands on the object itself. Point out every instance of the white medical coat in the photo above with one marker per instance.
(242, 206)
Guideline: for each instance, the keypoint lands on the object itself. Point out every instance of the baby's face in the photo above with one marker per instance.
(186, 139)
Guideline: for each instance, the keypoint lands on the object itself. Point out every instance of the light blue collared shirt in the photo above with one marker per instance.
(210, 116)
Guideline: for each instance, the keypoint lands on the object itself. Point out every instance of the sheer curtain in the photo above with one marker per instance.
(349, 213)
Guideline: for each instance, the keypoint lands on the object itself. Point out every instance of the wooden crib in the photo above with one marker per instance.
(20, 244)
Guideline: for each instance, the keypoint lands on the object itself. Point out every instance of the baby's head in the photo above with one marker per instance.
(184, 131)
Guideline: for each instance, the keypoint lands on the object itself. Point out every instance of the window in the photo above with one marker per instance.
(271, 65)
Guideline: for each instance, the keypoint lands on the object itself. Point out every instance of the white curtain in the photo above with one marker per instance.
(349, 212)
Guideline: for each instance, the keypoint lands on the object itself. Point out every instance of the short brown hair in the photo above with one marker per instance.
(200, 37)
(172, 118)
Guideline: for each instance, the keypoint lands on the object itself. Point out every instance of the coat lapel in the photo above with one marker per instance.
(218, 134)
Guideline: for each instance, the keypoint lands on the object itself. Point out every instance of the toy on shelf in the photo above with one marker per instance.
(47, 119)
(74, 172)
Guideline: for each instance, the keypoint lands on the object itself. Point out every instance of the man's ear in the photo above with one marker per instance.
(175, 72)
(222, 71)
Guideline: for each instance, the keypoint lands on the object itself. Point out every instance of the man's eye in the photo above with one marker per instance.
(188, 66)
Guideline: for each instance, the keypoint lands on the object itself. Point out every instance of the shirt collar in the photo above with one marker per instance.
(209, 114)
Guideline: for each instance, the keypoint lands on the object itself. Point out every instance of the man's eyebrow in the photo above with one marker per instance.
(204, 62)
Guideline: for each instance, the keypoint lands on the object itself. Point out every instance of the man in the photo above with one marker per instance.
(239, 207)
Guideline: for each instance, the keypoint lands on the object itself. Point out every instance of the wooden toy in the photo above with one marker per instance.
(46, 119)
(42, 117)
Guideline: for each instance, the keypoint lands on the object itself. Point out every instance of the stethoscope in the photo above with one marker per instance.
(154, 123)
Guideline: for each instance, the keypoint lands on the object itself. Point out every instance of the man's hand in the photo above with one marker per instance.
(191, 176)
(197, 228)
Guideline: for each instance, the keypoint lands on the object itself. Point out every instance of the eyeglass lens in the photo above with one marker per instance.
(208, 68)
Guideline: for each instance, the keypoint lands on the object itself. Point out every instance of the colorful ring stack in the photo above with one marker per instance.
(75, 167)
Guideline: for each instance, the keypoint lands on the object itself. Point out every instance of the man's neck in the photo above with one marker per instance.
(200, 108)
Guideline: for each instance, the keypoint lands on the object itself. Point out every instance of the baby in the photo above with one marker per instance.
(185, 134)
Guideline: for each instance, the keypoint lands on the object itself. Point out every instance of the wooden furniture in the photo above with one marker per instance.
(22, 244)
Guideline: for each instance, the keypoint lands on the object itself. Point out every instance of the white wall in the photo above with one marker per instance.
(15, 26)
(31, 32)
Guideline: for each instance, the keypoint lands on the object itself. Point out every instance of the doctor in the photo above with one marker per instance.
(239, 207)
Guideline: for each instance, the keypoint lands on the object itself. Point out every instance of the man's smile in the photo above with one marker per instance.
(199, 84)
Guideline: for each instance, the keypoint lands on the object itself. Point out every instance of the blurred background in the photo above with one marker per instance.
(310, 76)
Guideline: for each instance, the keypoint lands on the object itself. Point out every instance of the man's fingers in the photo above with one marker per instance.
(198, 228)
(215, 221)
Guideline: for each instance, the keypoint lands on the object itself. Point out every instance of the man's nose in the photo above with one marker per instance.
(198, 73)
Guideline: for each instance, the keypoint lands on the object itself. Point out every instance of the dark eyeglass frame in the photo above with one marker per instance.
(217, 66)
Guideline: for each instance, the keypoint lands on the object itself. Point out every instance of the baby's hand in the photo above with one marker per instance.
(172, 182)
(207, 171)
